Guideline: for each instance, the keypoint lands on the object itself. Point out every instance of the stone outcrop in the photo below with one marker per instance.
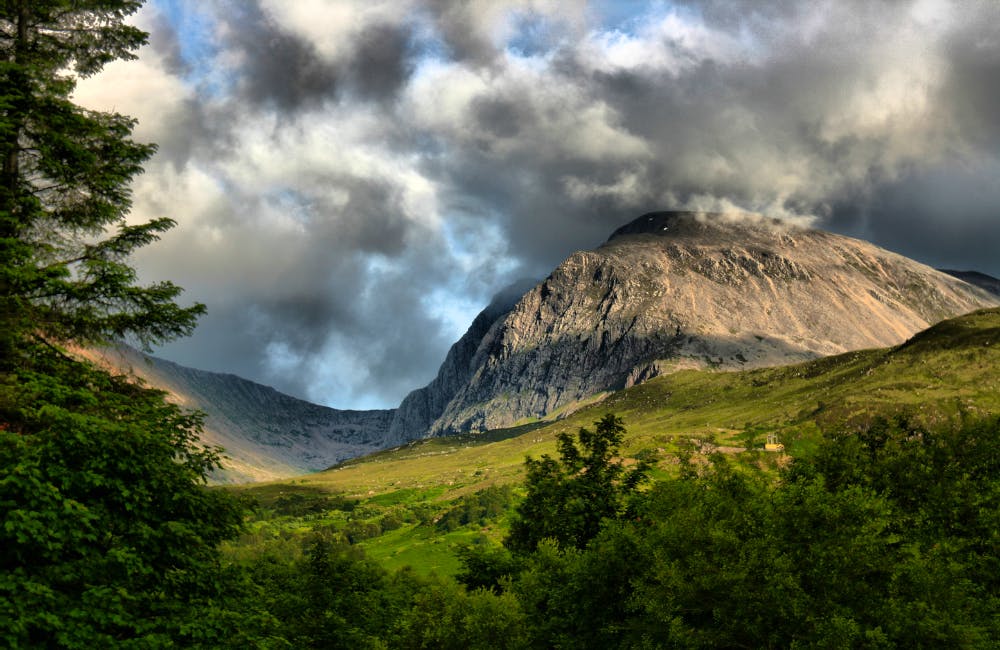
(423, 407)
(678, 290)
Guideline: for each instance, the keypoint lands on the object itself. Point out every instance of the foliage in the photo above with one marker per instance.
(335, 597)
(108, 532)
(477, 509)
(887, 538)
(487, 566)
(568, 499)
(65, 180)
(109, 536)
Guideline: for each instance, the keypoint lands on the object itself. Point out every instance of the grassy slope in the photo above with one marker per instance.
(950, 369)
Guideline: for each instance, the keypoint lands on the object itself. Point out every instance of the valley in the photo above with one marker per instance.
(944, 375)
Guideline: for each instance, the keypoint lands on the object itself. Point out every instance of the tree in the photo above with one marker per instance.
(65, 181)
(108, 534)
(568, 499)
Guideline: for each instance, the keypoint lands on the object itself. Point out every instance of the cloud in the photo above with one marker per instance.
(353, 179)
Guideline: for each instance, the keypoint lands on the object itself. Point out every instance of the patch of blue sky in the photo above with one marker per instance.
(459, 301)
(453, 309)
(629, 17)
(625, 16)
(194, 25)
(429, 45)
(534, 36)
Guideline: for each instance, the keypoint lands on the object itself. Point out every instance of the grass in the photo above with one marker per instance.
(948, 372)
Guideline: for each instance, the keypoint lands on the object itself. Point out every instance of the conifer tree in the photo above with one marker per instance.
(108, 534)
(65, 183)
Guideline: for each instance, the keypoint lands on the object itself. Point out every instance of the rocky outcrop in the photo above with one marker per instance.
(683, 290)
(423, 407)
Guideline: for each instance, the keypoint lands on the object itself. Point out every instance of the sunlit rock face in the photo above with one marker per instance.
(675, 290)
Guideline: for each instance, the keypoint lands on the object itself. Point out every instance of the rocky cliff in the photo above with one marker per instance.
(423, 407)
(677, 290)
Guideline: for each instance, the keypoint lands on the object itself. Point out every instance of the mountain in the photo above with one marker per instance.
(948, 372)
(668, 291)
(266, 434)
(422, 407)
(981, 280)
(674, 290)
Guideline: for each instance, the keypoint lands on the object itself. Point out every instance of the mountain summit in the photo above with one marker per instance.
(674, 290)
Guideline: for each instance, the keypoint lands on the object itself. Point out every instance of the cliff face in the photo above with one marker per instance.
(678, 290)
(423, 407)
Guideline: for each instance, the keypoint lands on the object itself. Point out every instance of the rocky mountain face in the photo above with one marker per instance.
(266, 434)
(676, 290)
(423, 407)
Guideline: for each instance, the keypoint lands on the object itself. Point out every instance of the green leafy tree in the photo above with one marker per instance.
(568, 499)
(884, 537)
(108, 534)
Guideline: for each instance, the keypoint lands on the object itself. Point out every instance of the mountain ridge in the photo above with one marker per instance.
(266, 434)
(666, 291)
(673, 290)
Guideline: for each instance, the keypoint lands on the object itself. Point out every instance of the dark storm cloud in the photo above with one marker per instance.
(972, 89)
(344, 200)
(383, 60)
(285, 71)
(279, 68)
(460, 29)
(328, 324)
(821, 106)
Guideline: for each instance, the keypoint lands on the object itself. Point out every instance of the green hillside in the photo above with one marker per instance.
(950, 370)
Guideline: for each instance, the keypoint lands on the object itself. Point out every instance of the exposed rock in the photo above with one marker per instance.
(422, 407)
(266, 434)
(677, 290)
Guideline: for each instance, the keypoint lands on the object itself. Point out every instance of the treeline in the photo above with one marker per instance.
(886, 537)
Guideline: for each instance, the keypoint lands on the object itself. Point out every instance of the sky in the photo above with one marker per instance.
(353, 180)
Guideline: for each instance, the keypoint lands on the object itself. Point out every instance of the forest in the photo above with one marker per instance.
(886, 535)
